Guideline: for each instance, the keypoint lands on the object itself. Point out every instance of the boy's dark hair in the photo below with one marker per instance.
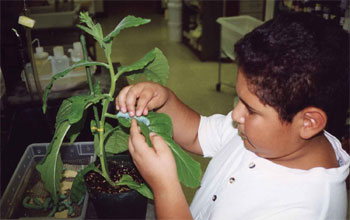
(298, 60)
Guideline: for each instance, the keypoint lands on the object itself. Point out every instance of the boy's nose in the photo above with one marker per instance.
(238, 113)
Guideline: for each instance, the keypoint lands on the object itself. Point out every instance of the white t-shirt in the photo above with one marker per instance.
(240, 185)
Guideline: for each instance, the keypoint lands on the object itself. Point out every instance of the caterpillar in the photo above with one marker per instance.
(142, 119)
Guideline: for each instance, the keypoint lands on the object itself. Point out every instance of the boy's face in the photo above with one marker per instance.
(260, 127)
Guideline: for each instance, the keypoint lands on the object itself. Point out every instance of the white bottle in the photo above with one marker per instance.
(76, 54)
(59, 61)
(41, 61)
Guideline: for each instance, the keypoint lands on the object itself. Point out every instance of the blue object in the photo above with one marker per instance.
(142, 119)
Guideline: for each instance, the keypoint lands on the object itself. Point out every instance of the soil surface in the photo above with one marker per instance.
(97, 182)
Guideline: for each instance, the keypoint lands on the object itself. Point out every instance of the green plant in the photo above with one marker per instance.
(71, 117)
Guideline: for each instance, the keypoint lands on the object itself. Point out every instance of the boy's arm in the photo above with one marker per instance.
(139, 98)
(171, 204)
(158, 168)
(185, 123)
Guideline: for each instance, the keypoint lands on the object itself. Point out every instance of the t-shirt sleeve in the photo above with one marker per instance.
(214, 132)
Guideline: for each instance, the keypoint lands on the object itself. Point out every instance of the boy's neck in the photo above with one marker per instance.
(314, 152)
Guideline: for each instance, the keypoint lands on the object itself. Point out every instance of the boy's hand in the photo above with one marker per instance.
(157, 164)
(146, 96)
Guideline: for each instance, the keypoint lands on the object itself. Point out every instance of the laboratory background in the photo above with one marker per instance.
(39, 38)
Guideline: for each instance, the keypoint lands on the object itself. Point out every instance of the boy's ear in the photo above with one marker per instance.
(313, 120)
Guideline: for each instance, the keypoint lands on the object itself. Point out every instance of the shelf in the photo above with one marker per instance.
(201, 32)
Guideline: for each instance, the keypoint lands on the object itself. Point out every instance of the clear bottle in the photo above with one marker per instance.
(59, 61)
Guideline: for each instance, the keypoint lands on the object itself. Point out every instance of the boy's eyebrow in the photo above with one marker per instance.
(246, 104)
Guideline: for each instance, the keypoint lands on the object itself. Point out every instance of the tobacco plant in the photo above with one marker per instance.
(109, 140)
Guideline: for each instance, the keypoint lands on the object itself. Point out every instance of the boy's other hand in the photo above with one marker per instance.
(145, 96)
(156, 165)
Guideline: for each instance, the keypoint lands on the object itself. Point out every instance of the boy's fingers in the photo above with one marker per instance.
(144, 99)
(138, 141)
(120, 100)
(134, 129)
(132, 96)
(131, 147)
(158, 142)
(130, 101)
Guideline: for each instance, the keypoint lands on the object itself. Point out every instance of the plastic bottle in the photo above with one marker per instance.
(41, 61)
(59, 61)
(76, 53)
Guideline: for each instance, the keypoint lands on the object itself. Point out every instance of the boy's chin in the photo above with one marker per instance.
(253, 149)
(248, 145)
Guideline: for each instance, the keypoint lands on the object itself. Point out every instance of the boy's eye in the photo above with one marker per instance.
(250, 111)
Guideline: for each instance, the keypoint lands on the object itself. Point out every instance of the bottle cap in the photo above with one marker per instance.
(77, 46)
(39, 50)
(58, 51)
(40, 53)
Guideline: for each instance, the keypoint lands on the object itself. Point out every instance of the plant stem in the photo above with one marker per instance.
(111, 116)
(105, 104)
(89, 78)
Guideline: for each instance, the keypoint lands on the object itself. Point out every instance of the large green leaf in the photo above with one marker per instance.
(116, 141)
(63, 112)
(72, 109)
(143, 189)
(127, 22)
(76, 128)
(145, 131)
(160, 123)
(64, 73)
(156, 71)
(51, 166)
(189, 170)
(140, 64)
(78, 107)
(79, 188)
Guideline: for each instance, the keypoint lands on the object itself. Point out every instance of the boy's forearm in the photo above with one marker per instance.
(185, 123)
(170, 203)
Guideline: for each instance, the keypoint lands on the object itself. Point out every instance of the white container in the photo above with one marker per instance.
(59, 61)
(80, 153)
(76, 54)
(175, 31)
(233, 29)
(175, 11)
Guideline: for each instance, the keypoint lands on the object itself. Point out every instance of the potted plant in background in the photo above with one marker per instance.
(109, 140)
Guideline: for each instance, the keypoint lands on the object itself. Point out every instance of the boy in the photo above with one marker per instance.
(279, 163)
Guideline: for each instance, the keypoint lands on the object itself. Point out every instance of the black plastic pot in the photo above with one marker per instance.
(125, 205)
